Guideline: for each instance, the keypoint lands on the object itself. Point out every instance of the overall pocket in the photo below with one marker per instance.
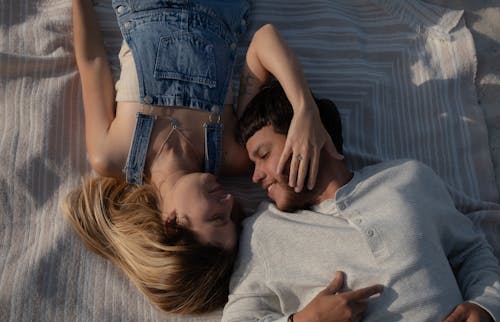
(186, 57)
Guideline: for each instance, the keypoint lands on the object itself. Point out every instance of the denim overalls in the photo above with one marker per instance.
(184, 53)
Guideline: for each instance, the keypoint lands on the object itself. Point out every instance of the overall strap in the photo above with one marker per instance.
(136, 159)
(213, 145)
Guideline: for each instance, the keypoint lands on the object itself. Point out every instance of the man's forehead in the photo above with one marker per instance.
(266, 132)
(264, 136)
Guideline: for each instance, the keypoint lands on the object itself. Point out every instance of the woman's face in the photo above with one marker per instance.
(201, 205)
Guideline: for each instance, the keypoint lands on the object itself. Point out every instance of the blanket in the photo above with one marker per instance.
(404, 75)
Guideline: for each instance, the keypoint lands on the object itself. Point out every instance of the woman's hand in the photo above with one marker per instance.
(468, 312)
(269, 54)
(334, 305)
(305, 139)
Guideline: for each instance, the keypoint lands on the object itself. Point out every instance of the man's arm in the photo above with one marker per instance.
(250, 298)
(97, 86)
(259, 303)
(335, 305)
(477, 273)
(254, 298)
(469, 312)
(476, 269)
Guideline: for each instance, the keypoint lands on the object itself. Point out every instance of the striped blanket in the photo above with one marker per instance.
(401, 72)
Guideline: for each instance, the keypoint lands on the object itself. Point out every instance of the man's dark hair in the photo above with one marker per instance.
(271, 107)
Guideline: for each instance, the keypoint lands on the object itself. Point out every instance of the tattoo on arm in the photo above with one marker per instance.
(249, 87)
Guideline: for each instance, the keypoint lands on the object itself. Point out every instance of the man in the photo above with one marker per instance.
(392, 223)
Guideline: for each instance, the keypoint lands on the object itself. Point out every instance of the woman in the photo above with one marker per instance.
(165, 220)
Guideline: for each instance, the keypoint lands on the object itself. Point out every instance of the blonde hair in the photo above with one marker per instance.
(122, 223)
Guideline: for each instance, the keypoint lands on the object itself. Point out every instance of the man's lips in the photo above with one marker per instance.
(269, 187)
(266, 185)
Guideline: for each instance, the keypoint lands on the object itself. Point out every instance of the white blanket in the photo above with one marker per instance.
(401, 72)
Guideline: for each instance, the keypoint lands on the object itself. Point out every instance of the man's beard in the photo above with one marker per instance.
(294, 201)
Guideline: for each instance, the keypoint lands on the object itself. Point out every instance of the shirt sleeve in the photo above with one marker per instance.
(251, 298)
(475, 267)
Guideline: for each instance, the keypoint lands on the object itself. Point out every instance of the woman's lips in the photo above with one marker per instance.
(216, 189)
(219, 193)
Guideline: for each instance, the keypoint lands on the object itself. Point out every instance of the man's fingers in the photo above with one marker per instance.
(363, 293)
(336, 284)
(458, 315)
(358, 310)
(455, 318)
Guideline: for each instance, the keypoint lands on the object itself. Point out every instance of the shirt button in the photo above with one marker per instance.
(370, 233)
(342, 205)
(121, 9)
(243, 22)
(148, 99)
(233, 46)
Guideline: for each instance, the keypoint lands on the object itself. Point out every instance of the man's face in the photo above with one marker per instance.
(264, 149)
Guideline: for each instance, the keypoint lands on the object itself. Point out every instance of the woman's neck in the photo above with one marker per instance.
(175, 158)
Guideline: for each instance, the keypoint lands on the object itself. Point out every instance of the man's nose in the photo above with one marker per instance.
(258, 175)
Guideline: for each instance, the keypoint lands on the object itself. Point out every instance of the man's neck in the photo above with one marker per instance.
(334, 175)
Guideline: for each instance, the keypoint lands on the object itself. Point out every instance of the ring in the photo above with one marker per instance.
(299, 157)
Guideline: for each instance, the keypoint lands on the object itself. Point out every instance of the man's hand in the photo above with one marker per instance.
(333, 305)
(305, 139)
(469, 312)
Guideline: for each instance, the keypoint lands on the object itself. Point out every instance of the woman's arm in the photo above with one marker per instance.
(97, 86)
(268, 54)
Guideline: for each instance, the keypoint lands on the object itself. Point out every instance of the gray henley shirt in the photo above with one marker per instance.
(394, 224)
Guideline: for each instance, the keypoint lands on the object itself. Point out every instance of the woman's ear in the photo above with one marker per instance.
(169, 217)
(173, 231)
